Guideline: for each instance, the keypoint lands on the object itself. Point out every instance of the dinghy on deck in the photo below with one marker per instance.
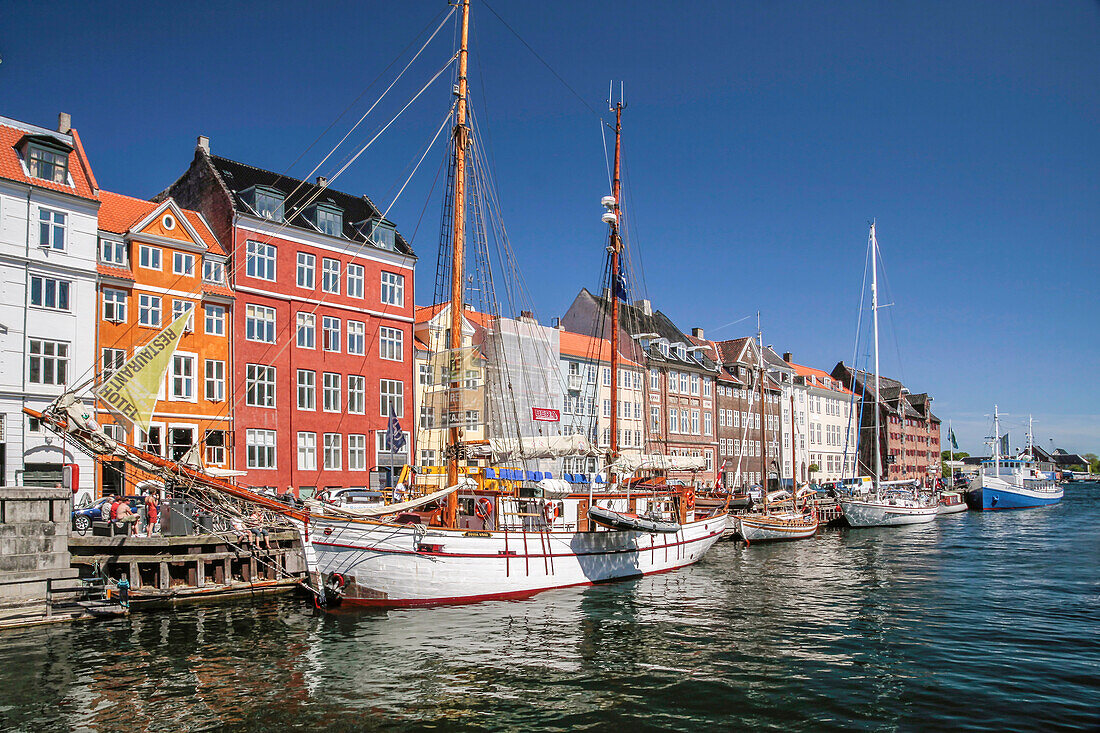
(631, 522)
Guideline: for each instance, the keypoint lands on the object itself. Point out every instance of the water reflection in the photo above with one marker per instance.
(878, 628)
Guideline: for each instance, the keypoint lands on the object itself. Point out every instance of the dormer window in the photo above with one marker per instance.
(380, 233)
(47, 159)
(265, 202)
(681, 352)
(213, 271)
(328, 219)
(662, 345)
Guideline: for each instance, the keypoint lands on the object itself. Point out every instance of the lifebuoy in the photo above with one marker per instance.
(483, 508)
(691, 500)
(550, 511)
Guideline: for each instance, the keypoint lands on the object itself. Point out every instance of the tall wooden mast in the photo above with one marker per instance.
(458, 257)
(616, 249)
(763, 417)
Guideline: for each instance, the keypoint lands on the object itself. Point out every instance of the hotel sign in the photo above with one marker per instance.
(543, 414)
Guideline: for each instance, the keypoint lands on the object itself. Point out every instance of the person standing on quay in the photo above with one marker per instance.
(151, 513)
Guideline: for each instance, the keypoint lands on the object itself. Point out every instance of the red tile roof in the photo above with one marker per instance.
(816, 378)
(12, 169)
(119, 213)
(216, 289)
(425, 313)
(119, 272)
(588, 347)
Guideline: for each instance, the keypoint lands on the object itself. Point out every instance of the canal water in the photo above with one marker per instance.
(977, 621)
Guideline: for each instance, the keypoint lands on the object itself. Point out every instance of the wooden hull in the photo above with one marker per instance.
(389, 565)
(768, 528)
(951, 508)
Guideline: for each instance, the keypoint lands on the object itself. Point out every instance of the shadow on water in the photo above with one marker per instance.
(974, 621)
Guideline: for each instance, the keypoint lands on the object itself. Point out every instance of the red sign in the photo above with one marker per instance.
(545, 415)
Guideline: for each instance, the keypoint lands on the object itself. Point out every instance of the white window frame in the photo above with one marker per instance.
(213, 319)
(149, 305)
(357, 394)
(392, 289)
(330, 275)
(330, 334)
(61, 290)
(307, 451)
(391, 344)
(331, 392)
(150, 257)
(178, 379)
(260, 385)
(305, 325)
(357, 452)
(264, 318)
(306, 382)
(391, 392)
(257, 440)
(213, 374)
(306, 271)
(185, 270)
(333, 451)
(260, 259)
(357, 338)
(53, 229)
(356, 277)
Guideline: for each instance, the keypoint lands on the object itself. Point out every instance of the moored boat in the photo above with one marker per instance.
(776, 526)
(1013, 483)
(951, 502)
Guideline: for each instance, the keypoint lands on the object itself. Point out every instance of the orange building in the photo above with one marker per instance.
(156, 260)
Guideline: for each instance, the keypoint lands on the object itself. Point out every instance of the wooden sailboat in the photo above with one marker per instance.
(892, 503)
(489, 532)
(776, 522)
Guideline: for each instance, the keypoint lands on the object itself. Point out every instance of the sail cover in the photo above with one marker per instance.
(657, 462)
(530, 447)
(132, 390)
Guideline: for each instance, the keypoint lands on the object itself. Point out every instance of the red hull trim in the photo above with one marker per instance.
(510, 596)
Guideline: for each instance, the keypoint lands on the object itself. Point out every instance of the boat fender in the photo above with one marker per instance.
(483, 508)
(550, 511)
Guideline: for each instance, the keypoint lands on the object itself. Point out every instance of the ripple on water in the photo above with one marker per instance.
(975, 621)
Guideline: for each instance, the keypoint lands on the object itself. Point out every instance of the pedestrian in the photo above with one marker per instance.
(106, 507)
(124, 591)
(256, 526)
(151, 512)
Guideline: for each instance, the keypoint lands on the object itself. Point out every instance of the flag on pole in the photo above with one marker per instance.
(1004, 444)
(394, 434)
(620, 287)
(951, 437)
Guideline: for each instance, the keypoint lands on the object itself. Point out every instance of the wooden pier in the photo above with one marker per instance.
(170, 570)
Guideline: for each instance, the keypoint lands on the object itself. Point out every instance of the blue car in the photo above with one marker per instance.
(83, 517)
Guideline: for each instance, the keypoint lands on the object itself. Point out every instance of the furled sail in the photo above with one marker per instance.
(132, 390)
(658, 462)
(552, 446)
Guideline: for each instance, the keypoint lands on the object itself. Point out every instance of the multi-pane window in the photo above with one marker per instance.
(307, 389)
(331, 392)
(330, 275)
(213, 271)
(332, 451)
(183, 263)
(259, 323)
(260, 260)
(357, 453)
(48, 292)
(392, 394)
(357, 337)
(708, 428)
(260, 385)
(655, 419)
(330, 221)
(179, 307)
(260, 448)
(425, 374)
(113, 359)
(330, 332)
(112, 252)
(391, 343)
(149, 310)
(306, 330)
(685, 422)
(149, 257)
(49, 165)
(707, 388)
(51, 229)
(307, 265)
(355, 281)
(654, 380)
(684, 379)
(673, 420)
(215, 447)
(214, 324)
(393, 289)
(183, 377)
(48, 362)
(695, 384)
(114, 431)
(114, 305)
(357, 394)
(214, 377)
(307, 451)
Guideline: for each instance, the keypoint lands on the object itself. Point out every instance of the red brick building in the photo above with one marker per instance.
(747, 438)
(323, 348)
(909, 432)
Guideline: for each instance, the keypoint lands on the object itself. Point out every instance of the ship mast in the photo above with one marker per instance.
(763, 418)
(874, 314)
(616, 247)
(458, 257)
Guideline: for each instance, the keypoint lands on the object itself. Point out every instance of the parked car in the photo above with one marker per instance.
(83, 517)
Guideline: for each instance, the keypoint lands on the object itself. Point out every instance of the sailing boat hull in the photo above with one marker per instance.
(388, 565)
(881, 514)
(765, 528)
(1000, 494)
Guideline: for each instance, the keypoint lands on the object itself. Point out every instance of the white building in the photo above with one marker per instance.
(825, 428)
(49, 203)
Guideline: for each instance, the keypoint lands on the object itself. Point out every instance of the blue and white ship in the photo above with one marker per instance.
(1010, 483)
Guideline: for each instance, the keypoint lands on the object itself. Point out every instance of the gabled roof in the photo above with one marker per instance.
(239, 177)
(425, 313)
(816, 377)
(120, 214)
(12, 132)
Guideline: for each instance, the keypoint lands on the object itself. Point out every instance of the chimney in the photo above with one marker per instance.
(322, 181)
(644, 306)
(203, 144)
(787, 357)
(697, 333)
(556, 323)
(64, 123)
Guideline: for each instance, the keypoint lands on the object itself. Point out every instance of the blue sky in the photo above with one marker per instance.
(760, 139)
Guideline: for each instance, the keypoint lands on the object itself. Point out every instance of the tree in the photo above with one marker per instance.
(958, 455)
(814, 468)
(1094, 462)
